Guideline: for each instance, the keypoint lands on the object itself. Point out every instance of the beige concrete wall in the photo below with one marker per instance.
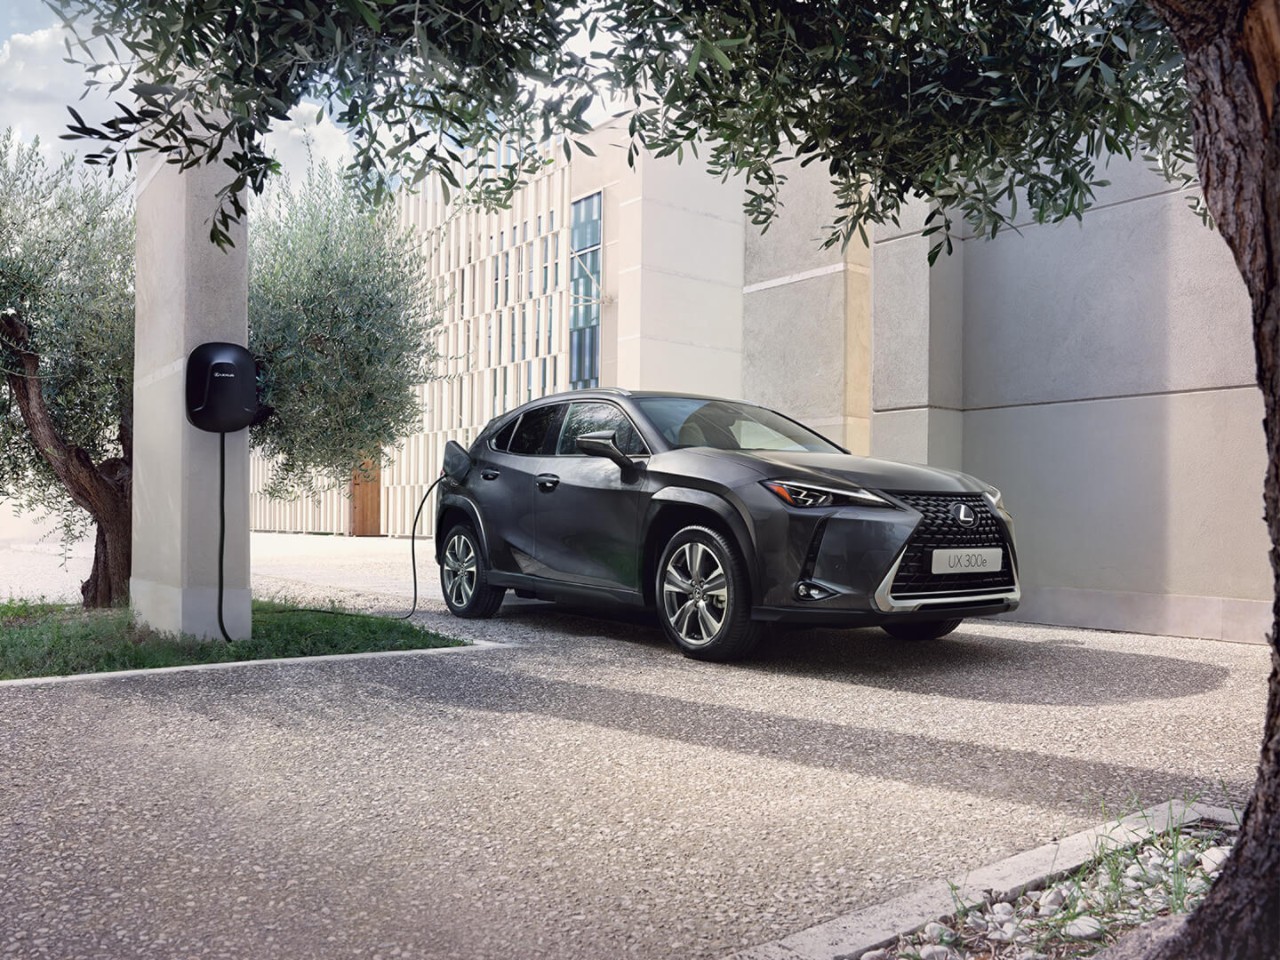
(1101, 374)
(918, 327)
(806, 317)
(1137, 513)
(673, 269)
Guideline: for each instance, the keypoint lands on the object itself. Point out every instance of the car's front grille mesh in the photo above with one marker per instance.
(939, 530)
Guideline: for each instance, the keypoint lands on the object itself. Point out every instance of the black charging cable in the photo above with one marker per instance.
(222, 526)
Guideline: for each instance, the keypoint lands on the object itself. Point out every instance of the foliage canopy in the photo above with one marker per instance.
(66, 273)
(340, 313)
(977, 104)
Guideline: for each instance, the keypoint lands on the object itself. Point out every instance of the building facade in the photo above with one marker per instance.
(1100, 372)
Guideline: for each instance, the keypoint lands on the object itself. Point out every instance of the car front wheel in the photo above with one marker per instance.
(464, 576)
(921, 629)
(704, 596)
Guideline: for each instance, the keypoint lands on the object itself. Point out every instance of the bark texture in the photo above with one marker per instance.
(1232, 52)
(102, 489)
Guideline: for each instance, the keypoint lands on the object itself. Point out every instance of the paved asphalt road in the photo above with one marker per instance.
(574, 789)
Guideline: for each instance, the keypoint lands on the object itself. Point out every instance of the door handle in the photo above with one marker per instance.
(489, 474)
(548, 482)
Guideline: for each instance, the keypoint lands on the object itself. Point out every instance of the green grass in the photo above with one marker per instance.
(45, 639)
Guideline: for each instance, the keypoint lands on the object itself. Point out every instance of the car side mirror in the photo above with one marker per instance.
(602, 444)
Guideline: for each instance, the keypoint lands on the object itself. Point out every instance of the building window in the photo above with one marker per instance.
(546, 264)
(584, 293)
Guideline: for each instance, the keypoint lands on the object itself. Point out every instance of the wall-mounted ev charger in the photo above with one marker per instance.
(222, 397)
(222, 387)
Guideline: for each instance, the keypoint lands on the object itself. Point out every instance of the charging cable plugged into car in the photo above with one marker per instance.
(222, 398)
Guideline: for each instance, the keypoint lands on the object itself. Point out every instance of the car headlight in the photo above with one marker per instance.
(996, 498)
(795, 494)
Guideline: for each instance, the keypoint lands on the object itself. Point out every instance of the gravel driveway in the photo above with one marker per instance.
(574, 788)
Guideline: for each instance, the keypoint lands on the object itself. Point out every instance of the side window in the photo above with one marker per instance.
(536, 431)
(593, 417)
(503, 436)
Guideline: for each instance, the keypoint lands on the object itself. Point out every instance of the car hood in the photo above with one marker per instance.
(843, 468)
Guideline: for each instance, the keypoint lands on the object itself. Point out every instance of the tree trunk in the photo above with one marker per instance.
(1232, 52)
(102, 490)
(108, 583)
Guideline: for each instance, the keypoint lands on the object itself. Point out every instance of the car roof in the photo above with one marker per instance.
(605, 393)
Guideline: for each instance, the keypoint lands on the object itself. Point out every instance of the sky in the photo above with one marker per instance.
(37, 85)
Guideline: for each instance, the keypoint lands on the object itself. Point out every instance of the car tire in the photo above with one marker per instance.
(921, 629)
(464, 576)
(703, 596)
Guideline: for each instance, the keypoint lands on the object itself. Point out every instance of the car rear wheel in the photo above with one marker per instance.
(464, 576)
(921, 629)
(704, 596)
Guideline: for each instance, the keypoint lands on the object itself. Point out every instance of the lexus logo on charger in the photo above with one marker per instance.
(964, 514)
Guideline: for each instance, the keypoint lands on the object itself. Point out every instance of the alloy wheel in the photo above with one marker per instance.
(695, 593)
(459, 570)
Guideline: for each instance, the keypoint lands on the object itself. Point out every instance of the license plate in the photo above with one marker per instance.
(977, 560)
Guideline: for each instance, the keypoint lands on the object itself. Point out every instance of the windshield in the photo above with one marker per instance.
(726, 425)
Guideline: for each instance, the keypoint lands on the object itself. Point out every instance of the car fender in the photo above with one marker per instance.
(449, 501)
(721, 507)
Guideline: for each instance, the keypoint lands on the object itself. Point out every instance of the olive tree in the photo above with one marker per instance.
(66, 350)
(340, 319)
(340, 315)
(982, 107)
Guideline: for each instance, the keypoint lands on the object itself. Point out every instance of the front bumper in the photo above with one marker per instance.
(872, 565)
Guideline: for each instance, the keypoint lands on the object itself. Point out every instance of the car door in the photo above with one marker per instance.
(589, 508)
(504, 487)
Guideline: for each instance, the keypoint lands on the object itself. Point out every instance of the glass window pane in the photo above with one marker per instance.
(503, 437)
(725, 425)
(596, 417)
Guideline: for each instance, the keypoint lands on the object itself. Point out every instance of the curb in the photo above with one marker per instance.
(849, 936)
(233, 664)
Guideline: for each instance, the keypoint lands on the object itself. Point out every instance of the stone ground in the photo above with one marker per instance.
(575, 788)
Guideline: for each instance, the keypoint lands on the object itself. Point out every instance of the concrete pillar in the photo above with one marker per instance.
(857, 347)
(918, 361)
(188, 292)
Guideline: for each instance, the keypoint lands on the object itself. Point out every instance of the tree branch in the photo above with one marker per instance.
(71, 464)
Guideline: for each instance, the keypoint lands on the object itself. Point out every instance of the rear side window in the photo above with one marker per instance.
(535, 433)
(503, 437)
(595, 417)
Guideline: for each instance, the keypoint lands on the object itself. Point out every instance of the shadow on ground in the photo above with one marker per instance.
(964, 666)
(968, 667)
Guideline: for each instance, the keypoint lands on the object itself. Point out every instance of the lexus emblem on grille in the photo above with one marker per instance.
(964, 514)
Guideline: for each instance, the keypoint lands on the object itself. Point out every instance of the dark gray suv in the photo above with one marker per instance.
(719, 514)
